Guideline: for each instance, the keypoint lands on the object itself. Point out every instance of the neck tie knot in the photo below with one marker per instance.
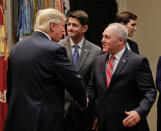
(76, 46)
(112, 58)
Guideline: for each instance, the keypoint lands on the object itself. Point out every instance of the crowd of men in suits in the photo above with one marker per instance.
(106, 90)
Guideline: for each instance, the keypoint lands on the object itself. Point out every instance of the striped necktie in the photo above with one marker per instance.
(109, 70)
(75, 56)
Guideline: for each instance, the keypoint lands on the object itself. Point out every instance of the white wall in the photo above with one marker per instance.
(148, 36)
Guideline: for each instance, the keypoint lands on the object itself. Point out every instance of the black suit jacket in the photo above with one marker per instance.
(38, 72)
(133, 46)
(131, 88)
(76, 119)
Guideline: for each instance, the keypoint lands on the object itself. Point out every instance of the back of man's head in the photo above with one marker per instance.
(125, 17)
(80, 15)
(45, 17)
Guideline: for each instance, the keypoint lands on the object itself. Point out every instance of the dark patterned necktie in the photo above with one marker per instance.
(75, 56)
(109, 70)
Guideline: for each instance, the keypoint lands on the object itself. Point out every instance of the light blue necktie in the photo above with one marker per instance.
(75, 56)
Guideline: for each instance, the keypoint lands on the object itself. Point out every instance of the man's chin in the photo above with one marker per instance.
(105, 51)
(71, 36)
(130, 35)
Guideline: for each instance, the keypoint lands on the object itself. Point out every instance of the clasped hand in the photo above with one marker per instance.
(80, 108)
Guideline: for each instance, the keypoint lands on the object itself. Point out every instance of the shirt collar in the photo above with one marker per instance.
(127, 45)
(44, 34)
(118, 54)
(80, 43)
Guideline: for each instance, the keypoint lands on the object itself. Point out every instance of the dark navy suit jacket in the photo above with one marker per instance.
(133, 46)
(131, 88)
(38, 72)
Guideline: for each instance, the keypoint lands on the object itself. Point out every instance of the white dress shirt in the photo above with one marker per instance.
(128, 47)
(80, 44)
(117, 58)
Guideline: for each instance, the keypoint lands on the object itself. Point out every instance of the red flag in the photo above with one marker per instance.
(3, 69)
(3, 90)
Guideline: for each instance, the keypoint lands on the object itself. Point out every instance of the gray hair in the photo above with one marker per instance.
(45, 17)
(119, 30)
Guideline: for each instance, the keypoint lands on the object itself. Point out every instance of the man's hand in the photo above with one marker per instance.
(132, 119)
(80, 108)
(95, 125)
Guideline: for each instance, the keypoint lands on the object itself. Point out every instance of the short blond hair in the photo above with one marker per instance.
(46, 16)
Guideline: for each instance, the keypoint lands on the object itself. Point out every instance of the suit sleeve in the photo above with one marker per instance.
(91, 88)
(158, 75)
(146, 87)
(68, 77)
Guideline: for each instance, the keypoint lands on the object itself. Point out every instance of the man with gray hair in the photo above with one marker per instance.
(123, 84)
(38, 72)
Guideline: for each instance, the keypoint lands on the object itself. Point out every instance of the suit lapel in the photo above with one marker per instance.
(83, 56)
(121, 64)
(68, 47)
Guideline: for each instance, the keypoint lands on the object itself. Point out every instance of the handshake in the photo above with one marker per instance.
(83, 108)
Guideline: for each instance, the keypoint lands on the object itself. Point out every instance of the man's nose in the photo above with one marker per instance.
(70, 26)
(135, 28)
(103, 40)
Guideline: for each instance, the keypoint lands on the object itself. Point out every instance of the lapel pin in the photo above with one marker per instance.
(123, 60)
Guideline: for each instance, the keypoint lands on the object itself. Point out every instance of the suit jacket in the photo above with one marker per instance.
(158, 81)
(131, 88)
(38, 72)
(133, 46)
(75, 119)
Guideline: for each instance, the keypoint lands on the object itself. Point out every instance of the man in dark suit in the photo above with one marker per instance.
(38, 72)
(76, 119)
(126, 97)
(158, 85)
(129, 20)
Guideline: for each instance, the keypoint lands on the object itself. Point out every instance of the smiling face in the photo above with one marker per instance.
(75, 29)
(131, 26)
(111, 42)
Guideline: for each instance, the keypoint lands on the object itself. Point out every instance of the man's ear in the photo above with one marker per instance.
(52, 26)
(85, 28)
(121, 40)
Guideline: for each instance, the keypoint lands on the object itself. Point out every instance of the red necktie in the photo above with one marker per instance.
(109, 70)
